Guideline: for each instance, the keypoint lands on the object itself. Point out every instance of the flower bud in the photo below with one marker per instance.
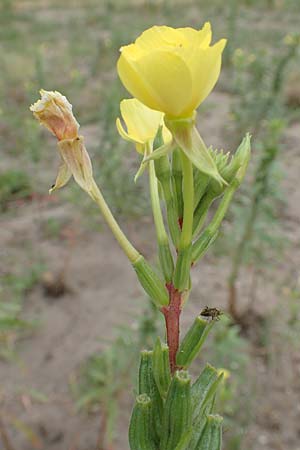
(151, 282)
(55, 112)
(193, 341)
(177, 412)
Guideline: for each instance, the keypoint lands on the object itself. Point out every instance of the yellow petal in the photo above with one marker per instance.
(205, 66)
(124, 133)
(159, 79)
(199, 38)
(160, 37)
(142, 122)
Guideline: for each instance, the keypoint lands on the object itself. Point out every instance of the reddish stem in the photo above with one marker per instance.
(172, 318)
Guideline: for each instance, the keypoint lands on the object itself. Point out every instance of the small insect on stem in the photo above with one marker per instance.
(213, 313)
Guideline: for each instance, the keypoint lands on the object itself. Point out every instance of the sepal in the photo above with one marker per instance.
(189, 140)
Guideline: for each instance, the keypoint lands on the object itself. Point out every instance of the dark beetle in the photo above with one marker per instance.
(213, 313)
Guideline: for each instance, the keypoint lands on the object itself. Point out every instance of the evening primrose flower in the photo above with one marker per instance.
(55, 112)
(142, 124)
(171, 70)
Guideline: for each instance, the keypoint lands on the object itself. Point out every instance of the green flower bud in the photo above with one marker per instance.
(193, 341)
(147, 385)
(161, 367)
(203, 393)
(204, 389)
(140, 429)
(239, 160)
(177, 412)
(211, 438)
(151, 282)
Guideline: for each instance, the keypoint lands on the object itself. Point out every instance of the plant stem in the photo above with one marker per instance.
(127, 247)
(172, 318)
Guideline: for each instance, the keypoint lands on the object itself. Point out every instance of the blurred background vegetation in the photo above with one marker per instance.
(46, 255)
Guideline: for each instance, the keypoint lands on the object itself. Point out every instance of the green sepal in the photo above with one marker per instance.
(177, 412)
(140, 428)
(161, 367)
(182, 269)
(160, 151)
(166, 261)
(141, 169)
(151, 282)
(188, 139)
(147, 385)
(193, 341)
(211, 438)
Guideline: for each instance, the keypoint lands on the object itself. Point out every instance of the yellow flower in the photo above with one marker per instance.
(55, 112)
(171, 70)
(142, 124)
